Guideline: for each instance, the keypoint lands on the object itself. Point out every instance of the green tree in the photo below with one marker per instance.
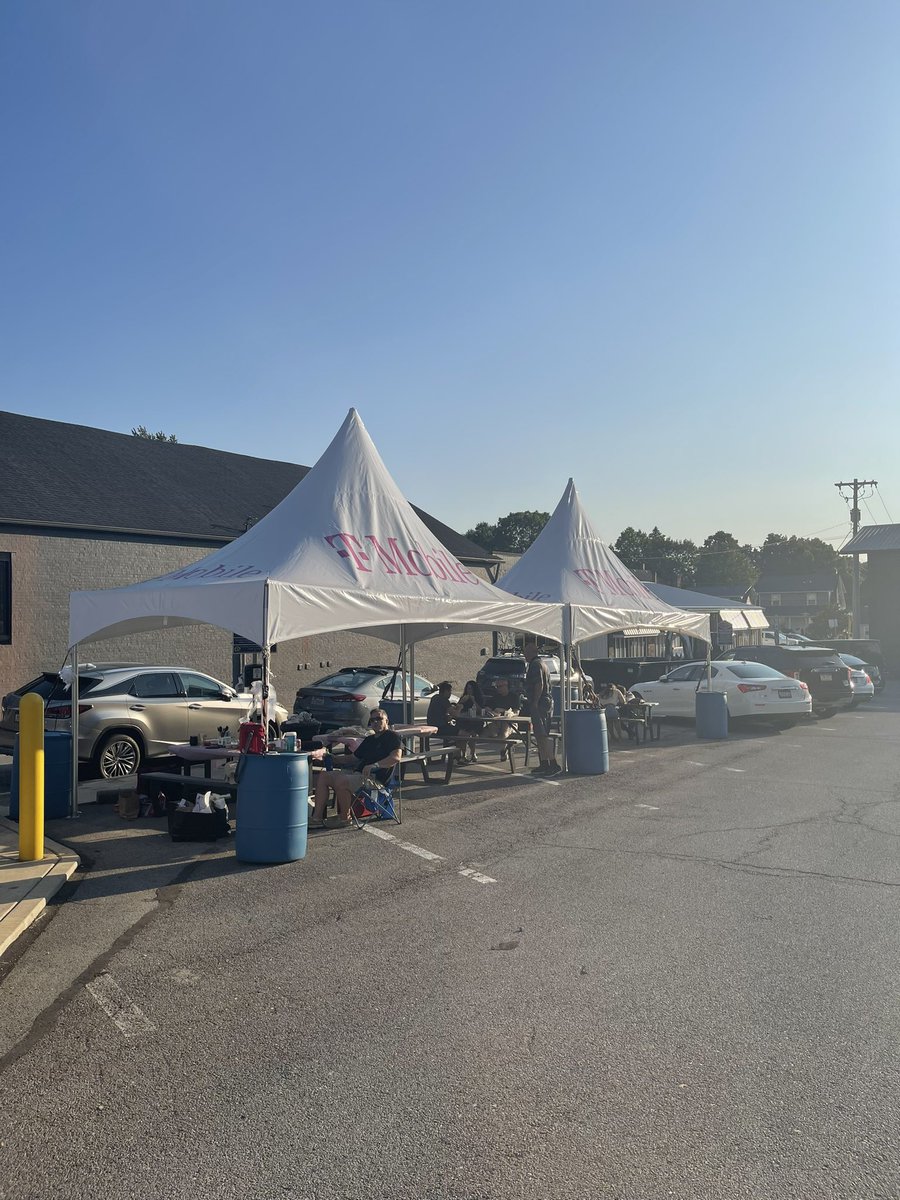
(669, 560)
(781, 555)
(722, 560)
(515, 532)
(820, 626)
(483, 534)
(141, 431)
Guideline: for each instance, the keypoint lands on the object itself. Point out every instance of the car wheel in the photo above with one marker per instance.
(117, 755)
(824, 714)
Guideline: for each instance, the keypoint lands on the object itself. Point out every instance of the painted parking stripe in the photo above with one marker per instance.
(654, 807)
(737, 770)
(409, 847)
(119, 1007)
(476, 875)
(522, 778)
(421, 852)
(692, 763)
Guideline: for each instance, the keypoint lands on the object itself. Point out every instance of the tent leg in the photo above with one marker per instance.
(73, 697)
(411, 715)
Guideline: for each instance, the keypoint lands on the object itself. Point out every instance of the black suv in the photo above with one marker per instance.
(821, 669)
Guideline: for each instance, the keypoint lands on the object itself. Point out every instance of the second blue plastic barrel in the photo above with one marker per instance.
(273, 810)
(57, 776)
(587, 748)
(712, 715)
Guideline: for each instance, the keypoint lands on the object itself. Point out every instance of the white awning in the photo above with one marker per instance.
(734, 617)
(756, 618)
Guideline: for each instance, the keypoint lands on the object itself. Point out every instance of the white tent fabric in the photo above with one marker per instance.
(569, 564)
(343, 550)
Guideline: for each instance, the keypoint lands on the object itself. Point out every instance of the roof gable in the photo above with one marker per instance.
(56, 474)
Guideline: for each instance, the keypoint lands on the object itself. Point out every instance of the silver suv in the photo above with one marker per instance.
(127, 713)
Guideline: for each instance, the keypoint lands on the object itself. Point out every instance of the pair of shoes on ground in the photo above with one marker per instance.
(473, 757)
(547, 769)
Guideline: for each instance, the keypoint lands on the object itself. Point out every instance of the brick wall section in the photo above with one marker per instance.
(46, 568)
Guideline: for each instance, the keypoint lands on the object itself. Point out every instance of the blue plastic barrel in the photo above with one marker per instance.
(57, 777)
(712, 715)
(273, 811)
(587, 748)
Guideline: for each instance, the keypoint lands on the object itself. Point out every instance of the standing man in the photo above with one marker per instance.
(537, 697)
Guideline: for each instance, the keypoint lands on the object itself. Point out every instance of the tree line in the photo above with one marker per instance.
(719, 560)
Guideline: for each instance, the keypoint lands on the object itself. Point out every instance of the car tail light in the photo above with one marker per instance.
(63, 712)
(355, 696)
(868, 679)
(752, 687)
(804, 686)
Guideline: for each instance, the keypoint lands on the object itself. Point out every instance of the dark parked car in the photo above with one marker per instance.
(868, 649)
(821, 669)
(513, 667)
(348, 696)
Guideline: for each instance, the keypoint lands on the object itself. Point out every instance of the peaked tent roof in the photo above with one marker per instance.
(110, 482)
(569, 564)
(343, 550)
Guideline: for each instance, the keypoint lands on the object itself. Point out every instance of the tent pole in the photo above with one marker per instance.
(73, 698)
(411, 717)
(403, 672)
(264, 696)
(564, 682)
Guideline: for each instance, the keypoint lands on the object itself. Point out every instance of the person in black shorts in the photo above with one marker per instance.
(539, 707)
(375, 756)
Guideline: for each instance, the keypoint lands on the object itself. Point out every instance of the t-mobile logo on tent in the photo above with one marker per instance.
(368, 554)
(605, 583)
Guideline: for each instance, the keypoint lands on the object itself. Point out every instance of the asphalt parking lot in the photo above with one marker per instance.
(675, 980)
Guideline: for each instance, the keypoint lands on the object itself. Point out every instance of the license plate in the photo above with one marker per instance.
(315, 701)
(826, 678)
(785, 693)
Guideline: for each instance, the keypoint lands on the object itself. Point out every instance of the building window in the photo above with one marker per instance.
(812, 599)
(776, 600)
(5, 599)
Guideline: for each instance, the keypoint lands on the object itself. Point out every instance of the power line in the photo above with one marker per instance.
(883, 505)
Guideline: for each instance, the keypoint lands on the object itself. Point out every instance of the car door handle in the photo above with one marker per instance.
(195, 706)
(136, 707)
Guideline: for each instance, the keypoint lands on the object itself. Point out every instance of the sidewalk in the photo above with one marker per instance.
(25, 888)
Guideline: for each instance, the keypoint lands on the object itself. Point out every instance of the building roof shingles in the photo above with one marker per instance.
(57, 475)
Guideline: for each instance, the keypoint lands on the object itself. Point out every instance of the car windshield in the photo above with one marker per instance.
(856, 663)
(751, 670)
(349, 680)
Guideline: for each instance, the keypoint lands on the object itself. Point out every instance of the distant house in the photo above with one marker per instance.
(729, 591)
(791, 601)
(84, 508)
(881, 545)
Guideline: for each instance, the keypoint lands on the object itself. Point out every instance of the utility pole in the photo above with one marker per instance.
(855, 514)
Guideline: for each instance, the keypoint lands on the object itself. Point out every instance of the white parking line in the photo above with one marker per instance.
(410, 847)
(476, 875)
(522, 778)
(421, 852)
(737, 770)
(117, 1005)
(654, 807)
(692, 763)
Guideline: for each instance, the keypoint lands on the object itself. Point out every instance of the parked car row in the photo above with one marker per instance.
(782, 683)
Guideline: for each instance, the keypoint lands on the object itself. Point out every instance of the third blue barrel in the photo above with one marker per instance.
(57, 776)
(273, 809)
(587, 749)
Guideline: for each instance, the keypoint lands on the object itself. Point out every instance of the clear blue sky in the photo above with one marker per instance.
(652, 245)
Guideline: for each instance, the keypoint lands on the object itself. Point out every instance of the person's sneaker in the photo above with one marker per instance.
(474, 757)
(541, 770)
(553, 769)
(317, 823)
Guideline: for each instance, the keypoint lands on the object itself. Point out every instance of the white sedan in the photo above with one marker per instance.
(860, 680)
(753, 690)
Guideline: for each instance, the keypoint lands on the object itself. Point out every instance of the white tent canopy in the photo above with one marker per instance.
(343, 550)
(569, 564)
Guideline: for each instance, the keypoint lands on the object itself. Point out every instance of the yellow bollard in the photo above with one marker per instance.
(31, 778)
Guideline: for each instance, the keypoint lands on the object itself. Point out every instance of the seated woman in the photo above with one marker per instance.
(471, 704)
(375, 757)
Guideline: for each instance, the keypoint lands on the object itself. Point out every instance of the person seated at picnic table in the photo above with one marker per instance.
(441, 712)
(375, 757)
(501, 694)
(471, 704)
(610, 697)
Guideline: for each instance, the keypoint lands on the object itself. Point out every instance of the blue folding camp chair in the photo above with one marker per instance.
(376, 801)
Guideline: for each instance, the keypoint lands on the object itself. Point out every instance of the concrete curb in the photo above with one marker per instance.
(26, 888)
